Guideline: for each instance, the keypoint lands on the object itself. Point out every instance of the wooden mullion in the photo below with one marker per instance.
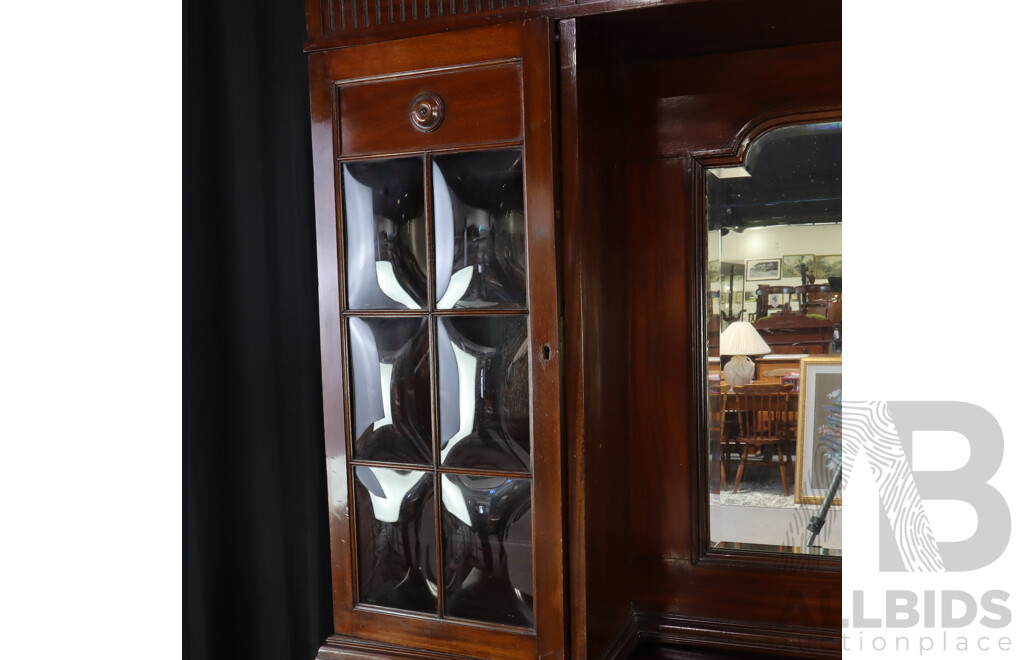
(435, 393)
(484, 472)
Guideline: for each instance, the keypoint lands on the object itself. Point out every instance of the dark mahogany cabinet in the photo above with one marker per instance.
(440, 345)
(511, 254)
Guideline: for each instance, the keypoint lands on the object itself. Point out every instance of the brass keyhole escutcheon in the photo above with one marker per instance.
(427, 112)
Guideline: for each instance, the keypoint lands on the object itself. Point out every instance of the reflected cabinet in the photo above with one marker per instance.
(520, 315)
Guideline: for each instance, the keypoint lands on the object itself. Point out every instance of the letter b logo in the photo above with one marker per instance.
(884, 431)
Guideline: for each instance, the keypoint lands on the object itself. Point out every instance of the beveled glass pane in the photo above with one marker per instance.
(385, 234)
(487, 548)
(397, 539)
(480, 229)
(390, 385)
(483, 372)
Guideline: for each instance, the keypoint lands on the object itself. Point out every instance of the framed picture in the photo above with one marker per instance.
(714, 271)
(828, 266)
(819, 440)
(763, 269)
(791, 264)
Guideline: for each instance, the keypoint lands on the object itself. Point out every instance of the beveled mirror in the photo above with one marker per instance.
(774, 309)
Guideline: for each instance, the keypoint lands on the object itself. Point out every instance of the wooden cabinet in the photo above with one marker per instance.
(513, 321)
(440, 346)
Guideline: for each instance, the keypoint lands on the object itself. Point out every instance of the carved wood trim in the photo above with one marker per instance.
(735, 153)
(343, 18)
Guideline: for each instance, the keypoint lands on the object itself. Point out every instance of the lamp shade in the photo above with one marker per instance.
(742, 338)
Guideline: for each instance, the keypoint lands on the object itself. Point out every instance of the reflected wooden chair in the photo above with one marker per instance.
(762, 415)
(775, 375)
(718, 406)
(814, 298)
(785, 299)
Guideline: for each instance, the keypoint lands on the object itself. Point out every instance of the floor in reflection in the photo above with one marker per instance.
(770, 526)
(761, 513)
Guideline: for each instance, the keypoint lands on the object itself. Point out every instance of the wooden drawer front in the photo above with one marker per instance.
(481, 105)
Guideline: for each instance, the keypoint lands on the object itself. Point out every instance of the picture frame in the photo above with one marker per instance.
(763, 269)
(819, 427)
(714, 271)
(828, 265)
(791, 264)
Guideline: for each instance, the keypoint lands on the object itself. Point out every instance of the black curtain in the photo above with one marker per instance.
(257, 568)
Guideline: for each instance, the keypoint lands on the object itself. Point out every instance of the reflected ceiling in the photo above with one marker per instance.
(794, 178)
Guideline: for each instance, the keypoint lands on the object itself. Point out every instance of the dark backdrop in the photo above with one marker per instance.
(257, 571)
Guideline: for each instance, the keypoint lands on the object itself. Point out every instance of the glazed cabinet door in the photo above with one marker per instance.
(439, 335)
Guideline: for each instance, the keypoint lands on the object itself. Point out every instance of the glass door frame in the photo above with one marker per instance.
(530, 44)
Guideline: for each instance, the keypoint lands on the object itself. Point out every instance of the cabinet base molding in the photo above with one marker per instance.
(340, 647)
(669, 630)
(625, 641)
(672, 629)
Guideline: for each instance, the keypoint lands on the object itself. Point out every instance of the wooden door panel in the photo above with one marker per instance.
(373, 216)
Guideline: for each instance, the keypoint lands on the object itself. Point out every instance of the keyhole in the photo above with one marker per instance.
(545, 352)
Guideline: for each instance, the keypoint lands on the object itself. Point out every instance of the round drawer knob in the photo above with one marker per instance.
(427, 112)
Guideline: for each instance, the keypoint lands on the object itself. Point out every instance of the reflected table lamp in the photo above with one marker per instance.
(740, 340)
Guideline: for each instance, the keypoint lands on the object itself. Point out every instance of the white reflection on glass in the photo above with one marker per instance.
(387, 489)
(388, 283)
(454, 285)
(453, 500)
(385, 388)
(362, 226)
(466, 367)
(368, 401)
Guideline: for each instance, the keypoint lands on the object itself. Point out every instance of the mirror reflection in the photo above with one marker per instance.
(774, 309)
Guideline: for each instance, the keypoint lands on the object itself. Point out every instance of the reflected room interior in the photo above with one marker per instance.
(774, 309)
